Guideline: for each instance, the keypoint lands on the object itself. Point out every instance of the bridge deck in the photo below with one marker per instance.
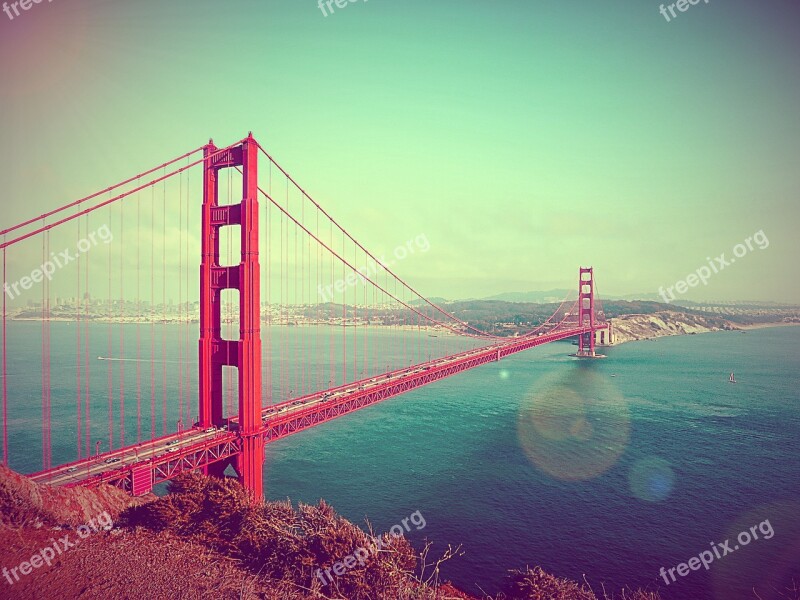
(165, 457)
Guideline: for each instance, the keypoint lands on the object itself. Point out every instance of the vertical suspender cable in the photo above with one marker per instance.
(122, 326)
(45, 368)
(138, 318)
(268, 339)
(78, 355)
(87, 424)
(5, 368)
(180, 296)
(110, 369)
(186, 294)
(303, 298)
(164, 308)
(284, 290)
(297, 366)
(344, 321)
(151, 316)
(355, 317)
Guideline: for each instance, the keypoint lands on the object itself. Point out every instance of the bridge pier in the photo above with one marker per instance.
(216, 469)
(250, 464)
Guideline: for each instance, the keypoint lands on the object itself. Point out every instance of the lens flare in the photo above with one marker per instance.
(574, 426)
(651, 479)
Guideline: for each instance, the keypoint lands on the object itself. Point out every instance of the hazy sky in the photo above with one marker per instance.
(523, 138)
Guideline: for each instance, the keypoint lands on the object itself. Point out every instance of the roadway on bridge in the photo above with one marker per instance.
(339, 393)
(125, 457)
(119, 460)
(175, 445)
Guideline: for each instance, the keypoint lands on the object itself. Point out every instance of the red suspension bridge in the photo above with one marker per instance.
(276, 356)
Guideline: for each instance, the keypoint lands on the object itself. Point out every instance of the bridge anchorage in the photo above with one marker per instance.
(379, 338)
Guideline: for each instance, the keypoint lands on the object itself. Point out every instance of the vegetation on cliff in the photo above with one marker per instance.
(283, 544)
(206, 539)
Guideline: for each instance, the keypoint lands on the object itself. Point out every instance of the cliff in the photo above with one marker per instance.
(628, 328)
(24, 503)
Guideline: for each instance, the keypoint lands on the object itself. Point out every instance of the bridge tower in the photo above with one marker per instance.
(244, 353)
(586, 312)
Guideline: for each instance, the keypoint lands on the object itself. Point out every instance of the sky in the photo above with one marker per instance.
(522, 139)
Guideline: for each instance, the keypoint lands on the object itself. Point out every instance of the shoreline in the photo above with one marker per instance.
(427, 328)
(738, 327)
(292, 325)
(766, 326)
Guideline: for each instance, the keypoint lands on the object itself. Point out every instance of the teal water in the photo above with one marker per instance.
(610, 469)
(702, 459)
(296, 361)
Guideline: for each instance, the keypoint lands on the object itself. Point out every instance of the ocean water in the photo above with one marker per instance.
(297, 360)
(606, 470)
(609, 469)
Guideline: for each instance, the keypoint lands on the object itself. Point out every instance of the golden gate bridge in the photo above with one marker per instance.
(256, 380)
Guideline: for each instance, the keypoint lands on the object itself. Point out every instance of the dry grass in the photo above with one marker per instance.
(284, 545)
(206, 539)
(537, 584)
